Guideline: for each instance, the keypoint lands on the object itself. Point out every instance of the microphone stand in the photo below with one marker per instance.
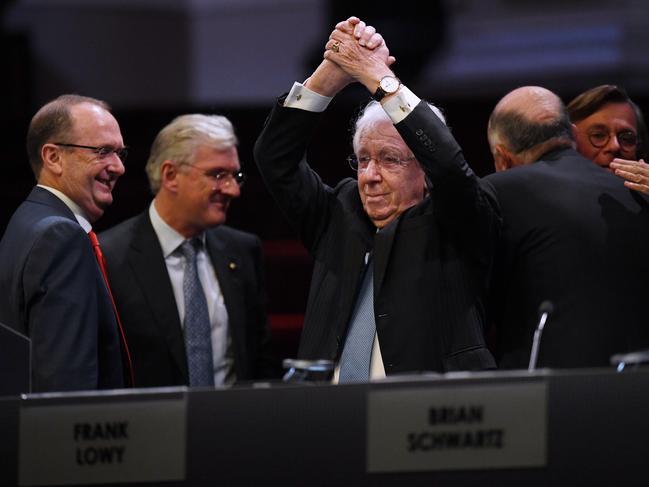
(544, 312)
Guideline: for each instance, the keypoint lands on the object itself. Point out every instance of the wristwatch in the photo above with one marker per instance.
(387, 86)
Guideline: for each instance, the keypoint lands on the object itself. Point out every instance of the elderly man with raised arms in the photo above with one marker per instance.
(402, 254)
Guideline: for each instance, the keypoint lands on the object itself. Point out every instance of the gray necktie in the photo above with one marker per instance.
(355, 359)
(198, 341)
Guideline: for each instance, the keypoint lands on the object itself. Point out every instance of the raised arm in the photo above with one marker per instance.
(461, 203)
(280, 151)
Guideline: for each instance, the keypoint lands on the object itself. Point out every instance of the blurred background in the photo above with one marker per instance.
(154, 59)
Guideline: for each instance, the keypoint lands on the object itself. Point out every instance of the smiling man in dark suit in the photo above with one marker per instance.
(51, 288)
(400, 266)
(190, 290)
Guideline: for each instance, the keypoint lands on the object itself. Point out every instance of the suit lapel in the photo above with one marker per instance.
(146, 259)
(353, 257)
(382, 247)
(44, 197)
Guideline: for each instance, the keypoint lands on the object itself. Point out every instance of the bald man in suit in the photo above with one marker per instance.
(573, 234)
(51, 287)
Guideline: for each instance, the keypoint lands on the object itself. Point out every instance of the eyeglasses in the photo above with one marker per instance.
(389, 162)
(627, 139)
(221, 177)
(102, 152)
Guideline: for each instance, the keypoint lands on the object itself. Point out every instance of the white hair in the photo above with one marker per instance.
(374, 113)
(182, 137)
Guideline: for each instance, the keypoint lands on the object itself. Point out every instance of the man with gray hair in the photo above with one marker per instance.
(191, 290)
(399, 270)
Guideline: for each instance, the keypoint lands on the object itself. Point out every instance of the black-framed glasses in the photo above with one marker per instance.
(389, 162)
(222, 177)
(102, 152)
(627, 139)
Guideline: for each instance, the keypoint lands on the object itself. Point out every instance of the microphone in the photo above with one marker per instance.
(545, 310)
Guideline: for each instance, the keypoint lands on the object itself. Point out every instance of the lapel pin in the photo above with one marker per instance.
(232, 266)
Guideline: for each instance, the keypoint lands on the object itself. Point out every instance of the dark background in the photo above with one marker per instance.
(445, 52)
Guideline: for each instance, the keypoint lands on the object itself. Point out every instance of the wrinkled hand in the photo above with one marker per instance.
(365, 34)
(635, 173)
(359, 51)
(328, 79)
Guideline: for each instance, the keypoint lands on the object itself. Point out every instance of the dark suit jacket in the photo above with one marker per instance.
(51, 289)
(146, 304)
(431, 264)
(574, 235)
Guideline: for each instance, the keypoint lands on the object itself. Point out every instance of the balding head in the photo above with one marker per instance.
(527, 123)
(52, 122)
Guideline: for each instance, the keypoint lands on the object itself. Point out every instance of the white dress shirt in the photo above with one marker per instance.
(170, 241)
(398, 106)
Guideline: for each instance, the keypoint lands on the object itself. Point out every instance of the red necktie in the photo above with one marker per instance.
(102, 266)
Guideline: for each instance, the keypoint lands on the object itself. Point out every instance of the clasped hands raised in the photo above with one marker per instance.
(354, 52)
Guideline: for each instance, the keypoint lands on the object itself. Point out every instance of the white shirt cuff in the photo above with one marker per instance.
(305, 99)
(401, 104)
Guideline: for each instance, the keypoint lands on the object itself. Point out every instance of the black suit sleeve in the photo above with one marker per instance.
(460, 200)
(280, 154)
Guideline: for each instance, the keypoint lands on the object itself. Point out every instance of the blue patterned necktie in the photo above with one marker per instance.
(198, 340)
(357, 353)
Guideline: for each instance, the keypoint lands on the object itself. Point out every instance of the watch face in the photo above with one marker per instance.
(389, 84)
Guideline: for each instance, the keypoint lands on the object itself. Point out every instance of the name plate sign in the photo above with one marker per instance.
(449, 428)
(139, 441)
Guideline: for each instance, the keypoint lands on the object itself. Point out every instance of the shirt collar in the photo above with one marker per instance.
(74, 208)
(169, 238)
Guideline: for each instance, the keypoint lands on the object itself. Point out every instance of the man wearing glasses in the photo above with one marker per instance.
(610, 130)
(189, 289)
(51, 286)
(400, 265)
